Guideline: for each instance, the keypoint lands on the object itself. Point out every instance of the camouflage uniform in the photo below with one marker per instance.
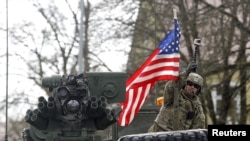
(190, 112)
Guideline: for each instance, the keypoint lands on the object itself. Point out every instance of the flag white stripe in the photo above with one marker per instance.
(137, 97)
(160, 56)
(130, 99)
(156, 74)
(163, 64)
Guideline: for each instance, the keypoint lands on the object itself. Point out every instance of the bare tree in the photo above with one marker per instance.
(52, 45)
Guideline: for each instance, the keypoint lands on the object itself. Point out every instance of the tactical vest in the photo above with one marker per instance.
(190, 114)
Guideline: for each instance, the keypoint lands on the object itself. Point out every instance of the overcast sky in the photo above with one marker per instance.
(17, 11)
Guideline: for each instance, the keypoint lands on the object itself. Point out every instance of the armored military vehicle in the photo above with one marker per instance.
(85, 107)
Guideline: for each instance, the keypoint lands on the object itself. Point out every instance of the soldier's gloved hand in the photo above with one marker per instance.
(191, 67)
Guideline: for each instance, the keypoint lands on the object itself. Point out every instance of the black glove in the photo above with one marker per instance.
(191, 67)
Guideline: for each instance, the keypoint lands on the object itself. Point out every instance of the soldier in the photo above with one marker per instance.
(181, 110)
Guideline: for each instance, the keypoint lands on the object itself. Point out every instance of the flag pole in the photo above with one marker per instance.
(176, 93)
(160, 100)
(175, 13)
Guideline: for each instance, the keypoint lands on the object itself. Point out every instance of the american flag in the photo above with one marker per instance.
(163, 64)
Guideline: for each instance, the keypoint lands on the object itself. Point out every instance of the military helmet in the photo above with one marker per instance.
(195, 78)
